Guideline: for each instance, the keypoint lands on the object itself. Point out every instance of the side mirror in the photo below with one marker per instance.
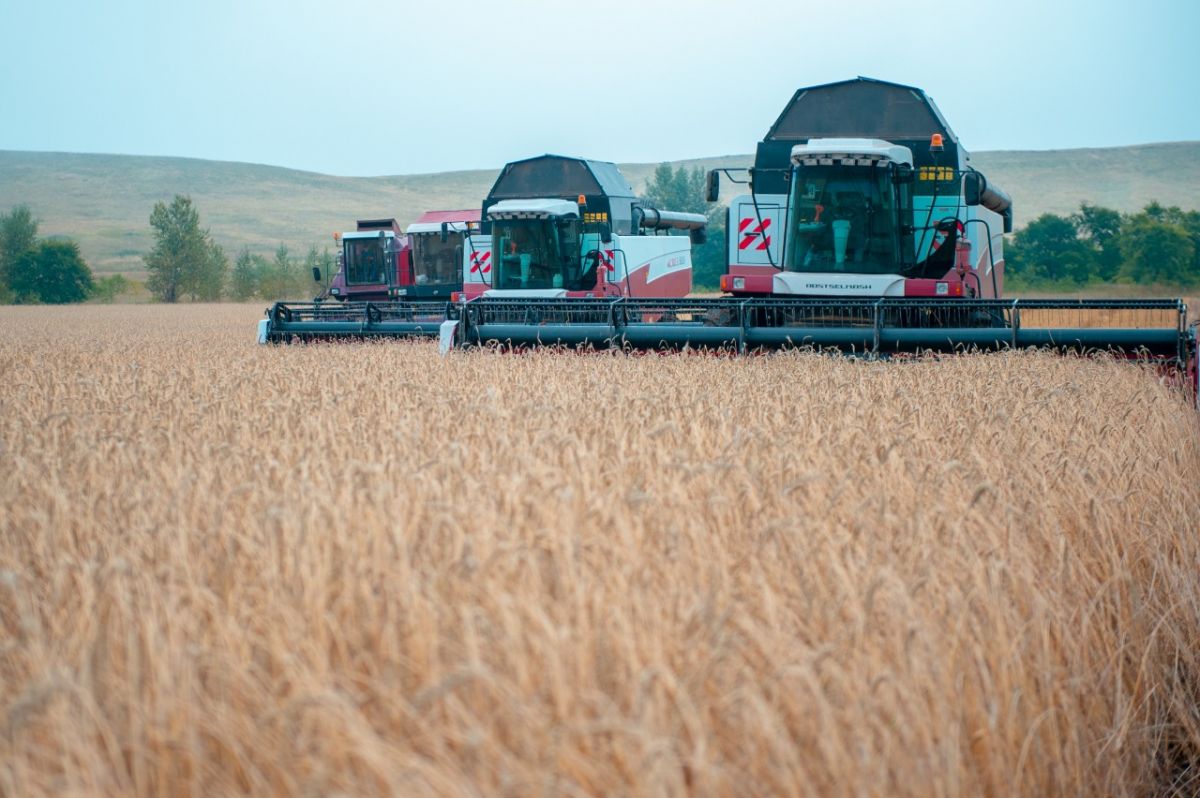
(714, 185)
(974, 185)
(903, 174)
(605, 233)
(698, 235)
(445, 232)
(316, 274)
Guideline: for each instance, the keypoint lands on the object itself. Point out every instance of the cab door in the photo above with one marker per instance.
(757, 235)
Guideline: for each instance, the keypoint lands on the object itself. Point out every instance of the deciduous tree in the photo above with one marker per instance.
(52, 272)
(1049, 248)
(1101, 228)
(185, 260)
(109, 288)
(1156, 251)
(18, 235)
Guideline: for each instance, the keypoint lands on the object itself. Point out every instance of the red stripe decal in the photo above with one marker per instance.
(479, 261)
(749, 237)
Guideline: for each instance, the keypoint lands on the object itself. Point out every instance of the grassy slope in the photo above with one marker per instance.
(104, 201)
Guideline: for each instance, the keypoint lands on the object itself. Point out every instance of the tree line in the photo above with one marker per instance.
(186, 262)
(1156, 245)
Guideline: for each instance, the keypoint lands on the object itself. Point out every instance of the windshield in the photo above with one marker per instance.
(364, 261)
(437, 262)
(540, 253)
(844, 219)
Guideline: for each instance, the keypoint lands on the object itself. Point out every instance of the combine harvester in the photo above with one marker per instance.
(866, 230)
(567, 238)
(398, 281)
(568, 228)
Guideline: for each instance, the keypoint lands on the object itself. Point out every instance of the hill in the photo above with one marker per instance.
(104, 201)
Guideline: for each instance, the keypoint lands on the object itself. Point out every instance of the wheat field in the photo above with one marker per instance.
(365, 570)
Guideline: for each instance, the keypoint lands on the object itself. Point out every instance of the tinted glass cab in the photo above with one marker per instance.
(436, 262)
(366, 261)
(845, 218)
(541, 253)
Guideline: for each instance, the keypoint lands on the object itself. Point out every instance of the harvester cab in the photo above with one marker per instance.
(374, 262)
(564, 227)
(440, 243)
(861, 189)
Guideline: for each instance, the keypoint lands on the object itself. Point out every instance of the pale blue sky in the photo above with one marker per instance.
(373, 88)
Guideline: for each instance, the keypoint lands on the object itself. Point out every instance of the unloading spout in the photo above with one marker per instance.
(654, 219)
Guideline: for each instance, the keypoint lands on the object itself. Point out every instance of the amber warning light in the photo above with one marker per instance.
(935, 142)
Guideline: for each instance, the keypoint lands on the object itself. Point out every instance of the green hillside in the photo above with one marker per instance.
(104, 201)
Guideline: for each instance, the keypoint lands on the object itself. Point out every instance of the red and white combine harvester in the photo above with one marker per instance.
(567, 228)
(861, 189)
(567, 239)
